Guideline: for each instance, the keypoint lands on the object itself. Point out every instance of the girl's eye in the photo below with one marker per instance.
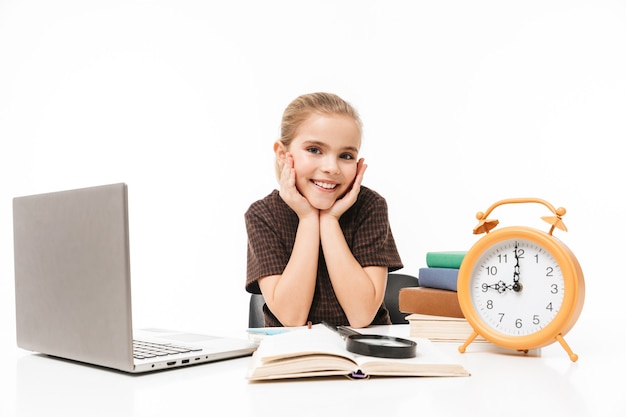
(347, 156)
(313, 149)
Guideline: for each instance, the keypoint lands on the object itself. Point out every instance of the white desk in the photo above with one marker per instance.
(549, 385)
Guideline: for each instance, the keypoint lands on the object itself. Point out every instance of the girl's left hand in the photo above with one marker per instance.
(345, 202)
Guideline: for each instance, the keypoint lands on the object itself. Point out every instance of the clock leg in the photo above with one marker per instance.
(467, 342)
(572, 355)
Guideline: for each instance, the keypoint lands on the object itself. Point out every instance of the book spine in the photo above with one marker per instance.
(442, 278)
(431, 301)
(445, 259)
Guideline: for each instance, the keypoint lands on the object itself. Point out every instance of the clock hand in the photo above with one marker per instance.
(499, 286)
(517, 286)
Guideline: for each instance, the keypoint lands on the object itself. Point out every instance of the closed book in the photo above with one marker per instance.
(440, 328)
(442, 278)
(432, 301)
(445, 259)
(452, 330)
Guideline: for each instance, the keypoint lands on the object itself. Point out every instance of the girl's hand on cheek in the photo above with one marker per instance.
(348, 200)
(289, 192)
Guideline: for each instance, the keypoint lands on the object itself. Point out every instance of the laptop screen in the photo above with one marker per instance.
(72, 275)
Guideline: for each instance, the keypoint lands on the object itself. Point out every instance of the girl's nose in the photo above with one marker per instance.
(330, 165)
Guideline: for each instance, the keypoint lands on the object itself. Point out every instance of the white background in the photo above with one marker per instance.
(464, 103)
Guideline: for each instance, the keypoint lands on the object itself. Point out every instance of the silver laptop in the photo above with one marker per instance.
(73, 290)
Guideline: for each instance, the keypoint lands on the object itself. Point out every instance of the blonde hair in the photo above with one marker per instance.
(301, 108)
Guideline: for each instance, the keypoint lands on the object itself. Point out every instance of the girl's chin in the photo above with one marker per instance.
(321, 203)
(321, 208)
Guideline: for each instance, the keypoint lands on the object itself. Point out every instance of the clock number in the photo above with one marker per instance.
(502, 258)
(489, 304)
(536, 319)
(555, 288)
(549, 271)
(537, 258)
(519, 252)
(501, 316)
(518, 323)
(549, 307)
(492, 270)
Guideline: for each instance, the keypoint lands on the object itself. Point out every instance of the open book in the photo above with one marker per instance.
(321, 352)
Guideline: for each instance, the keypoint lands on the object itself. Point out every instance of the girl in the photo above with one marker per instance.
(320, 248)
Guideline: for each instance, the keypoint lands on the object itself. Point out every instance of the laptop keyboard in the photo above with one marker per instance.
(146, 350)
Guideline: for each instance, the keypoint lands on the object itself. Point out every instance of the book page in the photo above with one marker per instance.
(301, 353)
(302, 341)
(429, 361)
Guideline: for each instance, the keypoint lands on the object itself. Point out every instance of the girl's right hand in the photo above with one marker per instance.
(289, 192)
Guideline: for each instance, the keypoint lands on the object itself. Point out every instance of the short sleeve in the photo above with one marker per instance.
(271, 235)
(372, 243)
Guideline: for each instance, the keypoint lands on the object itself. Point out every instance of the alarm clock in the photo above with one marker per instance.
(518, 287)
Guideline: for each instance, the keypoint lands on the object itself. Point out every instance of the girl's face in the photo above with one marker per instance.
(325, 154)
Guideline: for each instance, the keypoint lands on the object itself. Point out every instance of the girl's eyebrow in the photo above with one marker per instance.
(317, 143)
(352, 149)
(321, 144)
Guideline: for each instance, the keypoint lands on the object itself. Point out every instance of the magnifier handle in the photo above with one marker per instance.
(342, 330)
(346, 331)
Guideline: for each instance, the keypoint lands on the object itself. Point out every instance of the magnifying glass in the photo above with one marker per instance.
(375, 345)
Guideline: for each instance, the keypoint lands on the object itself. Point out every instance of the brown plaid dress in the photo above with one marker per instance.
(271, 225)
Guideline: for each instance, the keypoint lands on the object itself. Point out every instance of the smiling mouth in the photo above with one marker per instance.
(325, 185)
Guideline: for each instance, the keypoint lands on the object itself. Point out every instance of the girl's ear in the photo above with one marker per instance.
(280, 151)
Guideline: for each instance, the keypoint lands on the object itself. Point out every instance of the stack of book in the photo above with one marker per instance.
(435, 312)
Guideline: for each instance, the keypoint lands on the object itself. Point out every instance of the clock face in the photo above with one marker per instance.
(516, 287)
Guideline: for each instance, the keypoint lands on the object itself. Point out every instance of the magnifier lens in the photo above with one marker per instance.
(383, 342)
(381, 346)
(375, 345)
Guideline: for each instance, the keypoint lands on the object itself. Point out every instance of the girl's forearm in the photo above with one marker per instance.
(359, 291)
(289, 296)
